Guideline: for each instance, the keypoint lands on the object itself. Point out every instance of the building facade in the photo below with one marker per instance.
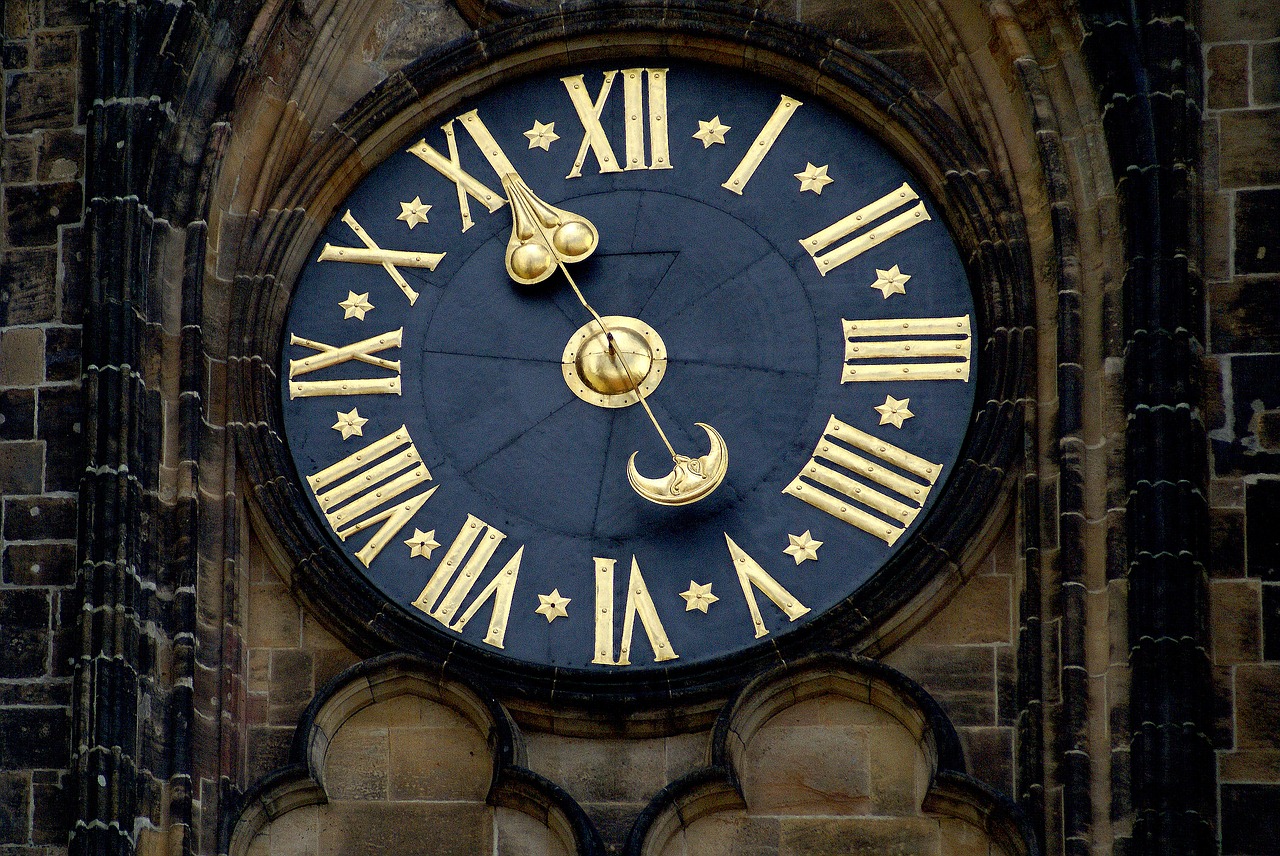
(1087, 660)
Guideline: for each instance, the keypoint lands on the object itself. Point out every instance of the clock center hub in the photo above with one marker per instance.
(603, 375)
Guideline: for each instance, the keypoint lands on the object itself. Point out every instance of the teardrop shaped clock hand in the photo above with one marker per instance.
(544, 237)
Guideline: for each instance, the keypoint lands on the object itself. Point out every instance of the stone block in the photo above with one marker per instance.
(65, 13)
(863, 836)
(1241, 20)
(730, 834)
(28, 293)
(73, 275)
(34, 737)
(1244, 315)
(808, 770)
(1271, 622)
(1262, 535)
(22, 357)
(1254, 765)
(518, 834)
(21, 467)
(61, 155)
(1266, 72)
(1228, 69)
(1257, 248)
(869, 25)
(56, 48)
(355, 767)
(17, 159)
(1250, 819)
(1257, 714)
(980, 612)
(268, 749)
(35, 211)
(441, 829)
(17, 19)
(51, 818)
(1235, 621)
(274, 618)
(17, 414)
(62, 354)
(39, 99)
(962, 679)
(447, 761)
(58, 423)
(15, 55)
(1249, 141)
(600, 770)
(988, 754)
(15, 813)
(39, 564)
(291, 684)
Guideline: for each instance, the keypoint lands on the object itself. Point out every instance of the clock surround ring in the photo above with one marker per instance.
(662, 29)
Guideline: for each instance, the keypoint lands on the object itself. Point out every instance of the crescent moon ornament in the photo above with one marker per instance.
(690, 480)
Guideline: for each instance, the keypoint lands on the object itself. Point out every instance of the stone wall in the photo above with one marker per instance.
(1242, 229)
(42, 152)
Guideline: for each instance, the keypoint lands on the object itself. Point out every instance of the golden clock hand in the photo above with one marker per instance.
(543, 238)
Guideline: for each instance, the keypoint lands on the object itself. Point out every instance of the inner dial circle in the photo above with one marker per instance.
(596, 373)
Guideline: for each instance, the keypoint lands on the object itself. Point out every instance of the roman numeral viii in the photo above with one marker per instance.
(863, 229)
(852, 497)
(594, 137)
(444, 605)
(351, 492)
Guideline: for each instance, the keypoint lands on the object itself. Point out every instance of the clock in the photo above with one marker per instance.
(629, 372)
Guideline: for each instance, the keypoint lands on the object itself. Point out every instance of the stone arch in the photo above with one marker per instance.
(392, 755)
(832, 754)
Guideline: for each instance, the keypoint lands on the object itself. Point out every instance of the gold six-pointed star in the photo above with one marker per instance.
(891, 281)
(894, 411)
(422, 543)
(350, 423)
(542, 136)
(414, 212)
(711, 132)
(553, 605)
(803, 547)
(814, 178)
(355, 306)
(698, 597)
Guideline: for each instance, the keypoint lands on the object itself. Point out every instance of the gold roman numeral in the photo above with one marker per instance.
(485, 539)
(372, 254)
(594, 137)
(638, 603)
(362, 351)
(943, 357)
(350, 490)
(751, 577)
(760, 147)
(854, 498)
(451, 167)
(865, 235)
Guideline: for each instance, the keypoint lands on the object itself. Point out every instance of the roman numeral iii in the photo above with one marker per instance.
(330, 355)
(850, 496)
(485, 539)
(594, 137)
(862, 229)
(351, 492)
(942, 356)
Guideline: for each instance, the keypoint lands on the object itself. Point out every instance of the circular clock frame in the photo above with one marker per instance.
(910, 125)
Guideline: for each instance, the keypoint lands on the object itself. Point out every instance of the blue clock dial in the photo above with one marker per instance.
(771, 270)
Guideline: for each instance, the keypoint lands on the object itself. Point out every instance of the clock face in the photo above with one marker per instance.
(464, 417)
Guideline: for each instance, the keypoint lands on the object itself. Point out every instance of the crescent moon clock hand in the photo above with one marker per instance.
(543, 238)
